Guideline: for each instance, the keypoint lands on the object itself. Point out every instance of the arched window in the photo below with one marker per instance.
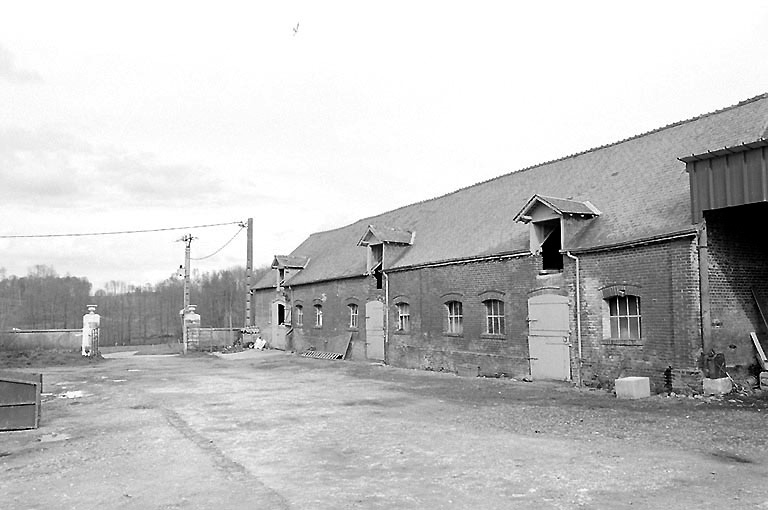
(624, 317)
(299, 316)
(403, 317)
(318, 316)
(454, 318)
(352, 315)
(494, 317)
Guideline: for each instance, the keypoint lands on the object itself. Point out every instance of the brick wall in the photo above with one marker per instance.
(665, 276)
(334, 297)
(738, 251)
(427, 346)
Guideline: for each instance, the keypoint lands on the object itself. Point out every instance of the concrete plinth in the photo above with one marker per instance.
(633, 387)
(719, 386)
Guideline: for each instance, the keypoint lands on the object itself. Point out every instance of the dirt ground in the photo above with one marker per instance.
(270, 430)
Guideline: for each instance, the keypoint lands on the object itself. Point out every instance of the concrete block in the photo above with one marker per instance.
(633, 387)
(719, 386)
(764, 380)
(466, 370)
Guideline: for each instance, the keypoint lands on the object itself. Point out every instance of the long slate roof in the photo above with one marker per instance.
(638, 184)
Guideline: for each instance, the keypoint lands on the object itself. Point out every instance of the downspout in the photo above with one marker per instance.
(386, 317)
(578, 313)
(704, 293)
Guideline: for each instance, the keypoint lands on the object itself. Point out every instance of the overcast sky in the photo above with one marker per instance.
(149, 115)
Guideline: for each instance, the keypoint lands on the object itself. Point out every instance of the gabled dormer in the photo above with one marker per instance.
(552, 221)
(384, 244)
(286, 267)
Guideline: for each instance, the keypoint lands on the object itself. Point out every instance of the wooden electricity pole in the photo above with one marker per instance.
(249, 274)
(187, 239)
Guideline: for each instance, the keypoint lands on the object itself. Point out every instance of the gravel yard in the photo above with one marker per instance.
(274, 430)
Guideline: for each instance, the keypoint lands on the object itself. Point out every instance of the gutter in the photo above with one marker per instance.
(689, 232)
(578, 313)
(453, 262)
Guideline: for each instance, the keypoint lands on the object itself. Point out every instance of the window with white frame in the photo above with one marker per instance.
(352, 315)
(299, 316)
(624, 317)
(318, 316)
(454, 318)
(403, 317)
(494, 317)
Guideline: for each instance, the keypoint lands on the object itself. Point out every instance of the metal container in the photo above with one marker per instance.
(20, 400)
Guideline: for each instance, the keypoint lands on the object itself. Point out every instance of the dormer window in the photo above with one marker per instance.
(379, 240)
(546, 217)
(286, 267)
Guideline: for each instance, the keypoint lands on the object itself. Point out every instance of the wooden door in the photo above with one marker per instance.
(549, 345)
(374, 330)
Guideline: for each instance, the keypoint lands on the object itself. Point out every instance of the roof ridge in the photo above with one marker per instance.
(562, 158)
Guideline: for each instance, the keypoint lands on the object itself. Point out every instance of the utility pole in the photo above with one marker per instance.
(249, 274)
(187, 239)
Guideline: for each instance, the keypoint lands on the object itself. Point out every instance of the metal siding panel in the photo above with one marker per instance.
(693, 183)
(720, 184)
(703, 189)
(734, 173)
(754, 177)
(764, 171)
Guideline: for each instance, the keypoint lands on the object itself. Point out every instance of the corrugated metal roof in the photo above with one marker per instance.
(639, 184)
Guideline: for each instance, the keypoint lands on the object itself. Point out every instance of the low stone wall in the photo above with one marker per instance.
(71, 339)
(216, 337)
(49, 339)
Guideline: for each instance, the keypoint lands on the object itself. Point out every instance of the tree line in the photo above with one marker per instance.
(129, 314)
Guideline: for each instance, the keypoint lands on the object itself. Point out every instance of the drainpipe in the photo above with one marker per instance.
(578, 310)
(704, 293)
(386, 317)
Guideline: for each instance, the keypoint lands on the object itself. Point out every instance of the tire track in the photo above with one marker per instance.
(233, 469)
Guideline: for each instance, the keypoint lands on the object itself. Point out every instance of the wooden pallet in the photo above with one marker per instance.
(328, 355)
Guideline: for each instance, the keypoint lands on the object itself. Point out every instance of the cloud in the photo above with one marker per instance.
(45, 167)
(143, 179)
(40, 165)
(10, 72)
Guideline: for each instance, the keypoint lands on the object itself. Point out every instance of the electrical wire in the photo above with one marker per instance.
(224, 246)
(31, 236)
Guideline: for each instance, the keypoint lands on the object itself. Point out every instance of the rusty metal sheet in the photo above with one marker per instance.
(728, 179)
(20, 406)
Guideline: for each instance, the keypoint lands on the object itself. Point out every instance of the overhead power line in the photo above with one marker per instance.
(119, 232)
(223, 246)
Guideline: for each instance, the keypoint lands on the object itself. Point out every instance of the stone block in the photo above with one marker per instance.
(466, 370)
(633, 387)
(764, 380)
(719, 386)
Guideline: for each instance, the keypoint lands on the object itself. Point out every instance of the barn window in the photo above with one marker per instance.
(550, 233)
(318, 316)
(353, 315)
(299, 316)
(494, 317)
(624, 317)
(403, 317)
(454, 318)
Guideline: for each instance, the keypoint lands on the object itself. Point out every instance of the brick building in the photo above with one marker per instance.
(622, 260)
